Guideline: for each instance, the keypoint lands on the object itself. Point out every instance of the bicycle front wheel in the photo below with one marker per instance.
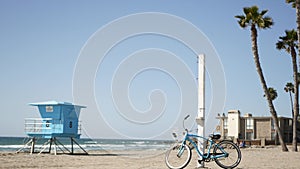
(233, 157)
(178, 157)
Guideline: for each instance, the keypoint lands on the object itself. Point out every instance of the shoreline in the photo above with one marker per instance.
(268, 157)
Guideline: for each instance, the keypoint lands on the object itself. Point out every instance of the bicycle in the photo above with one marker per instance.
(225, 153)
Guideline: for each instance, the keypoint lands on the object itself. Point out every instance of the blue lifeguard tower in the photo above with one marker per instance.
(58, 119)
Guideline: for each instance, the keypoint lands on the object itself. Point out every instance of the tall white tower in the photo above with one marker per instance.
(201, 104)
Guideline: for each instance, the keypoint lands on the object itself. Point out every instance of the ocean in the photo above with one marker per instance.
(16, 143)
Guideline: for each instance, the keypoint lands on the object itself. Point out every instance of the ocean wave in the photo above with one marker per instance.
(13, 144)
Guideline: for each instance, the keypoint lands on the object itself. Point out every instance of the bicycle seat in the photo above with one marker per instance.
(215, 136)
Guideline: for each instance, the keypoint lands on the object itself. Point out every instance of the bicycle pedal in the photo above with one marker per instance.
(201, 163)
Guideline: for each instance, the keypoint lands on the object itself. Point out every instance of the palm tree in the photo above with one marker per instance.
(289, 87)
(272, 92)
(273, 95)
(296, 4)
(254, 19)
(289, 44)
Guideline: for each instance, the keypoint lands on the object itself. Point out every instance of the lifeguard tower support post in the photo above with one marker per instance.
(58, 119)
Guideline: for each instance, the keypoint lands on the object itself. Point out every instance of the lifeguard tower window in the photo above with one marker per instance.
(49, 108)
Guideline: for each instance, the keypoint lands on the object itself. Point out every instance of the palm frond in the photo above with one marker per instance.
(242, 21)
(289, 41)
(293, 2)
(263, 12)
(280, 45)
(272, 92)
(289, 87)
(252, 16)
(268, 22)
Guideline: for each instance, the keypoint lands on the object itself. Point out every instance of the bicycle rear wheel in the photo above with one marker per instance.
(178, 157)
(234, 154)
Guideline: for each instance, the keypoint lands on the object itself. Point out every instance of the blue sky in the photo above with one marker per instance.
(41, 41)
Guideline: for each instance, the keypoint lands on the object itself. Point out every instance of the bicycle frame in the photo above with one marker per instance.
(180, 154)
(207, 155)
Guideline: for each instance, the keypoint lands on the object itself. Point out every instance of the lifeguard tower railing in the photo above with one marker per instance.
(45, 126)
(50, 128)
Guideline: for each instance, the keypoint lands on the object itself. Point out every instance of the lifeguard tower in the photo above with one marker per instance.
(58, 119)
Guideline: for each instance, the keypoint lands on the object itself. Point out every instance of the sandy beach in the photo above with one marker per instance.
(269, 157)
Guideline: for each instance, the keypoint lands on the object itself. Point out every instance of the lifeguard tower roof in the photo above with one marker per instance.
(58, 119)
(54, 103)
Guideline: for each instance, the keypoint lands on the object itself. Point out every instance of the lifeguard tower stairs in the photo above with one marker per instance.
(58, 120)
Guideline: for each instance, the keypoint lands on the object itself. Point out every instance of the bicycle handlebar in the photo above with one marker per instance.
(185, 118)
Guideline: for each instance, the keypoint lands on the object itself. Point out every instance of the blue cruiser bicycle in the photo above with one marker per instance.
(225, 153)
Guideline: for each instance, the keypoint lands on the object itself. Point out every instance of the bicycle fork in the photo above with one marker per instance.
(180, 151)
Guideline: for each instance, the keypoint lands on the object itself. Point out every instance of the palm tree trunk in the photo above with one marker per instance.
(298, 23)
(264, 85)
(292, 104)
(296, 98)
(296, 84)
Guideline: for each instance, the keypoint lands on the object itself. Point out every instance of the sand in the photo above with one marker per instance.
(269, 157)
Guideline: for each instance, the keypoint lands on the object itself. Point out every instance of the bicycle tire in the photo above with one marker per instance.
(234, 154)
(173, 161)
